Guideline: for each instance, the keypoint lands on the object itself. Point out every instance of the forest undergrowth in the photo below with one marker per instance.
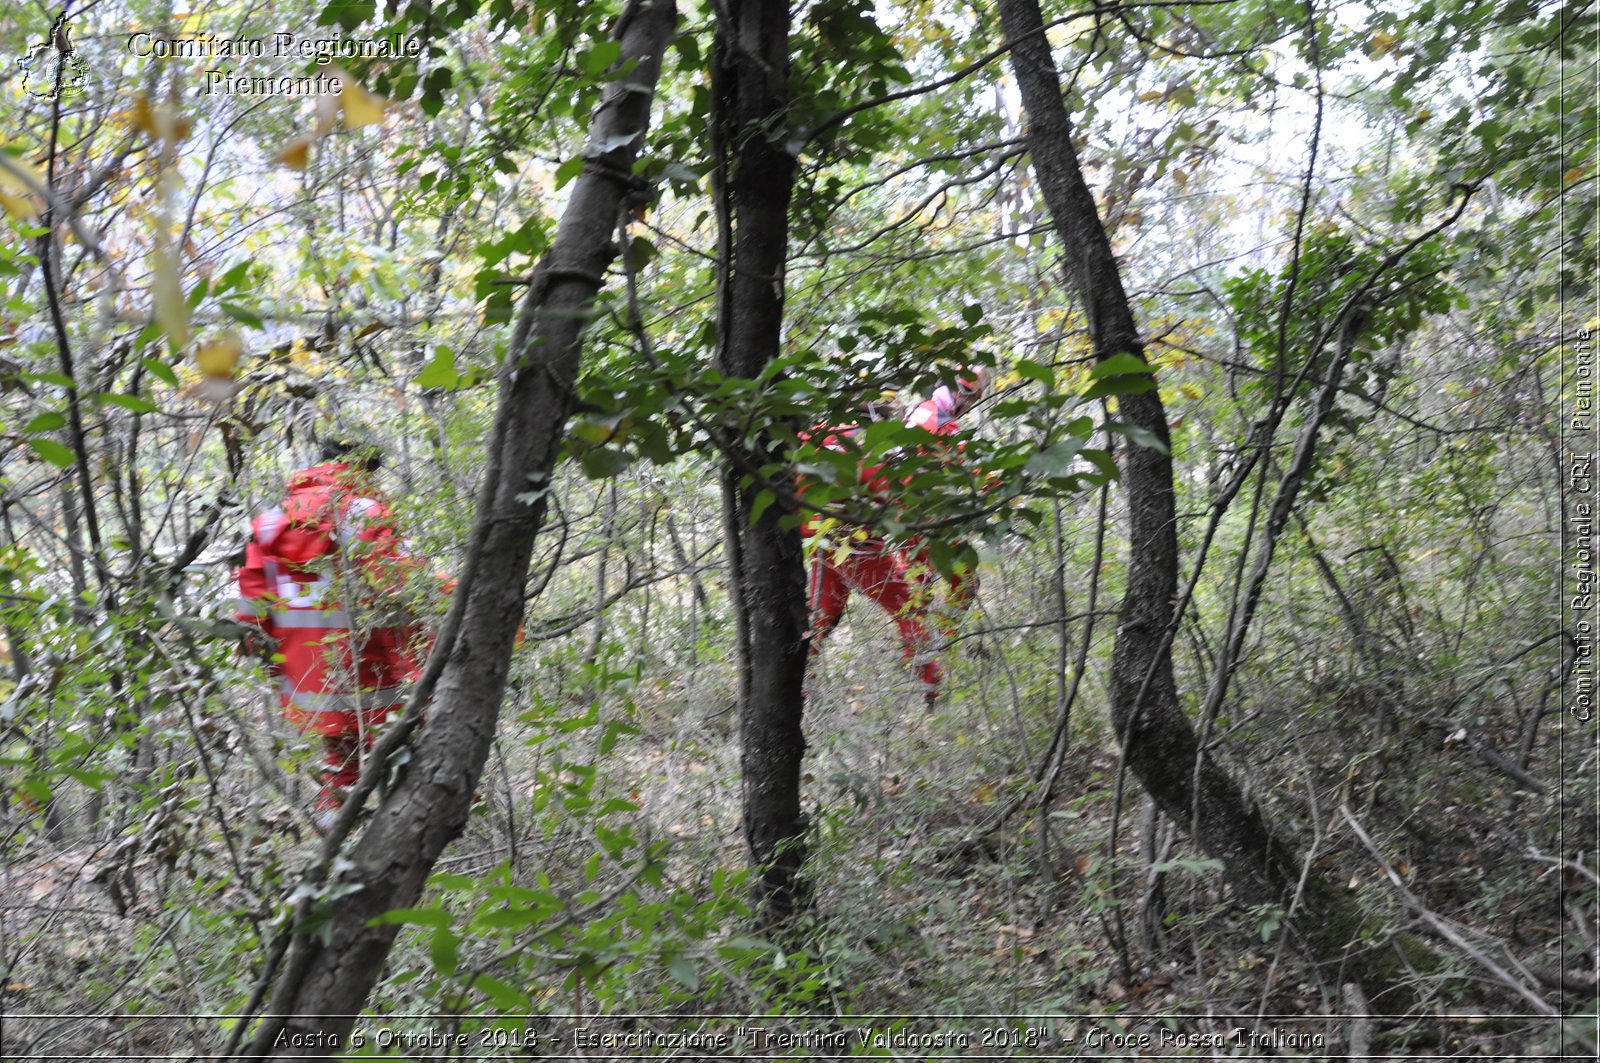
(600, 877)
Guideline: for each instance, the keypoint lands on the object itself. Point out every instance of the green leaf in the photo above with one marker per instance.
(53, 452)
(504, 996)
(1034, 371)
(1056, 458)
(641, 253)
(681, 174)
(1141, 436)
(598, 60)
(443, 950)
(160, 370)
(347, 13)
(433, 89)
(684, 971)
(1102, 461)
(432, 916)
(199, 292)
(506, 918)
(764, 499)
(148, 335)
(1120, 385)
(94, 780)
(440, 372)
(243, 316)
(1123, 364)
(233, 278)
(45, 422)
(569, 169)
(604, 462)
(132, 403)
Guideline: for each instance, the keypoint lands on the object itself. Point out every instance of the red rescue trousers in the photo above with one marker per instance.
(342, 754)
(879, 572)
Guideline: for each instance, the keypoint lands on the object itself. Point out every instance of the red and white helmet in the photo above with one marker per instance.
(970, 382)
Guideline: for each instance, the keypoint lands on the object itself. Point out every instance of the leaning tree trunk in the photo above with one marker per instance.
(330, 969)
(1158, 740)
(756, 178)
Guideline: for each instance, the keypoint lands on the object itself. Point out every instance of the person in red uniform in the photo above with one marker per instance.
(322, 590)
(939, 415)
(863, 562)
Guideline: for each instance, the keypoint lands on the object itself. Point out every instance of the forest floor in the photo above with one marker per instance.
(930, 904)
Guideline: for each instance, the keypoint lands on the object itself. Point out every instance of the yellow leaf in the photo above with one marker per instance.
(361, 108)
(20, 207)
(593, 434)
(296, 153)
(218, 358)
(161, 122)
(19, 175)
(21, 186)
(166, 291)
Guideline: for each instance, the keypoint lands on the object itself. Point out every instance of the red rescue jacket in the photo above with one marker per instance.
(838, 438)
(937, 414)
(330, 545)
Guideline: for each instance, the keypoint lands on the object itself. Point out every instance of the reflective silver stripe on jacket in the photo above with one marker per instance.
(304, 594)
(355, 520)
(368, 699)
(270, 525)
(328, 618)
(249, 607)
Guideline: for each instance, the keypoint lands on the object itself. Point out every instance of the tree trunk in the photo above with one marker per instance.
(756, 178)
(1159, 742)
(331, 969)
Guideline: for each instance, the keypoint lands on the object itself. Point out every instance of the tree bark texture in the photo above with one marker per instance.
(750, 99)
(1159, 741)
(330, 970)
